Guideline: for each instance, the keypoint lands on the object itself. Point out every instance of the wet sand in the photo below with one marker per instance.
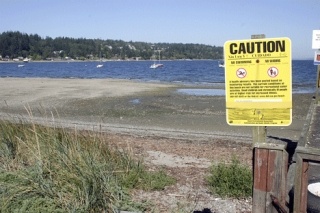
(131, 107)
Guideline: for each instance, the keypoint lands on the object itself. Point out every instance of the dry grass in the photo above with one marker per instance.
(51, 169)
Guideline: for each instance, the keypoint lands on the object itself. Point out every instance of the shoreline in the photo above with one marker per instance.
(103, 60)
(143, 108)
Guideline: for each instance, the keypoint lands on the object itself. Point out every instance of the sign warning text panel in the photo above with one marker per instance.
(258, 81)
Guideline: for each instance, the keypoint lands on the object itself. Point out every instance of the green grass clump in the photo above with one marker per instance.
(46, 169)
(231, 180)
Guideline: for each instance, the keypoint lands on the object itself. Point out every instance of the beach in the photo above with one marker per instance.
(180, 132)
(133, 106)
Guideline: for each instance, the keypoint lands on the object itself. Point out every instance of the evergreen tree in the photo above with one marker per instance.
(15, 44)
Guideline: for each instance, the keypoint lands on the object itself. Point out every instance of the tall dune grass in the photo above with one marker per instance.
(50, 169)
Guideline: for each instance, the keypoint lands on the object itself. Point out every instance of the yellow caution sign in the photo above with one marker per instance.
(258, 80)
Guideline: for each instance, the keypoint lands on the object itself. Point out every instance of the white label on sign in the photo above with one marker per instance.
(316, 39)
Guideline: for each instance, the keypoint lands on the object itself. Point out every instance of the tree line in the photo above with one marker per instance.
(14, 44)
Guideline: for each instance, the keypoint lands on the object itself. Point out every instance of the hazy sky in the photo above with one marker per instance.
(211, 22)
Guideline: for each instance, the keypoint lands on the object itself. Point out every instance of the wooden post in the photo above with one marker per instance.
(300, 190)
(259, 134)
(270, 173)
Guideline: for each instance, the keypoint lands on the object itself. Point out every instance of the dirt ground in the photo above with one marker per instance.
(188, 161)
(182, 134)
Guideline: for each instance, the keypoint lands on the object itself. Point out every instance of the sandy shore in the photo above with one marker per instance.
(130, 106)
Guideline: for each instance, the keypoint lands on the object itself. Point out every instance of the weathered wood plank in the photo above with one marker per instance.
(260, 170)
(270, 170)
(304, 186)
(285, 169)
(276, 184)
(271, 180)
(301, 183)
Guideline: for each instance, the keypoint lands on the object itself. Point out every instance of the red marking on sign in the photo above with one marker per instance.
(241, 73)
(273, 72)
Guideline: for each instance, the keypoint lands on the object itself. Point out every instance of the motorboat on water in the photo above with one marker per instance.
(99, 65)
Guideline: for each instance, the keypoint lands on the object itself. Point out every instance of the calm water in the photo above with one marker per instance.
(185, 72)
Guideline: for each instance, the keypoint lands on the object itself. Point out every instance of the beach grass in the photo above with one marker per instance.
(230, 179)
(52, 169)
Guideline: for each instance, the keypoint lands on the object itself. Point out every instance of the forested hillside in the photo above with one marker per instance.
(21, 45)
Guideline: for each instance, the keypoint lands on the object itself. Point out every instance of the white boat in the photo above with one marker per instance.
(221, 64)
(100, 65)
(156, 65)
(21, 65)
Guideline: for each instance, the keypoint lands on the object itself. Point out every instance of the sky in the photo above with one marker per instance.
(210, 22)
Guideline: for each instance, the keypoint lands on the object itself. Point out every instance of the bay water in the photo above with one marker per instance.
(188, 72)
